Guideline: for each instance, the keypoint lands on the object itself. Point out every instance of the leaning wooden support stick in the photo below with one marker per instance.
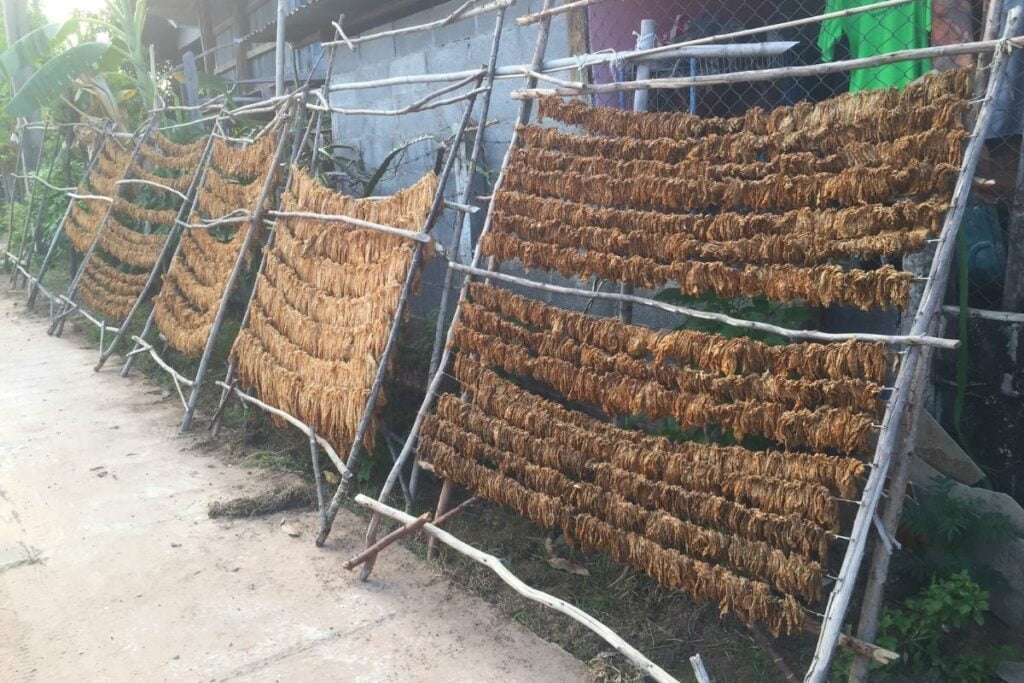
(184, 210)
(151, 318)
(229, 379)
(900, 405)
(878, 569)
(460, 219)
(382, 366)
(58, 322)
(494, 564)
(98, 148)
(236, 271)
(525, 109)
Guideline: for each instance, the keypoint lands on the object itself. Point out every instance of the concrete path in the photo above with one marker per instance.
(111, 570)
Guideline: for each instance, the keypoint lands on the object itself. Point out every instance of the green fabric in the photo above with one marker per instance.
(902, 27)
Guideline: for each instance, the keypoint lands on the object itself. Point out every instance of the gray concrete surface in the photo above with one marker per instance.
(111, 570)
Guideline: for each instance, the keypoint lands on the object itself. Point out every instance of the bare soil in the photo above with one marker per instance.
(111, 568)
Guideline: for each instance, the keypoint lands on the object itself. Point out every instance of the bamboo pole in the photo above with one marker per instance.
(494, 564)
(575, 88)
(900, 405)
(168, 249)
(101, 142)
(463, 12)
(279, 46)
(382, 365)
(236, 271)
(460, 218)
(57, 327)
(644, 41)
(525, 109)
(809, 335)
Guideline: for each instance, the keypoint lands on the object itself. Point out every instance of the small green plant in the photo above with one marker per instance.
(948, 535)
(930, 630)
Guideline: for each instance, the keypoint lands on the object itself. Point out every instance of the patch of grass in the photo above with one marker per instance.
(275, 461)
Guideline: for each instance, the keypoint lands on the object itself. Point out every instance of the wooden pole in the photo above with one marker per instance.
(749, 50)
(45, 265)
(699, 672)
(528, 19)
(460, 219)
(811, 335)
(1013, 283)
(576, 88)
(229, 378)
(168, 249)
(325, 94)
(494, 564)
(382, 365)
(461, 13)
(151, 318)
(279, 47)
(900, 405)
(236, 271)
(57, 327)
(447, 488)
(318, 476)
(878, 570)
(525, 109)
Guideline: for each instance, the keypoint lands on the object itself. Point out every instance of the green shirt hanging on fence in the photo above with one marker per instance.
(902, 27)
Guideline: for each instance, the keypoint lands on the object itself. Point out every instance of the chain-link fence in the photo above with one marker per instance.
(975, 391)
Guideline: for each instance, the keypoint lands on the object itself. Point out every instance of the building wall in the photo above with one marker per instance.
(458, 47)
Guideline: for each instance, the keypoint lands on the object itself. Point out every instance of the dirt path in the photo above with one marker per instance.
(110, 568)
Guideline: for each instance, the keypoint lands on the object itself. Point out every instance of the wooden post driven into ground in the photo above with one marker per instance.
(525, 109)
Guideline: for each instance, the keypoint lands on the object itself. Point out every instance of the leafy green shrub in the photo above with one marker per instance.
(930, 630)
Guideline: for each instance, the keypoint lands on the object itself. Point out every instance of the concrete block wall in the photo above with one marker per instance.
(461, 46)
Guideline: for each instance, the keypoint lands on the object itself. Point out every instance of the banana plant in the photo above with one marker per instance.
(61, 63)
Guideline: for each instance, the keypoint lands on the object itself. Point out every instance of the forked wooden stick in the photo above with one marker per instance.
(494, 564)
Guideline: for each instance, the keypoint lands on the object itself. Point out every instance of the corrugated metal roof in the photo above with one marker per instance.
(308, 17)
(317, 15)
(183, 11)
